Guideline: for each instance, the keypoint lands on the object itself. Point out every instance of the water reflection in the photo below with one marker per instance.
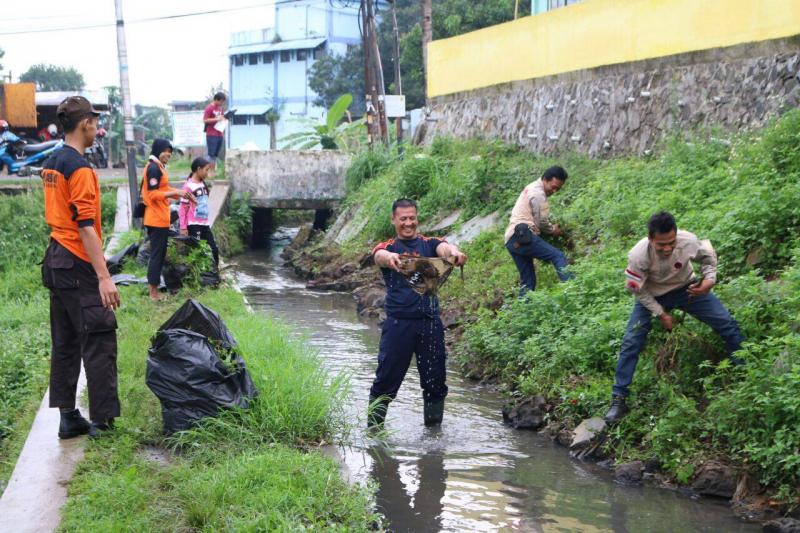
(472, 474)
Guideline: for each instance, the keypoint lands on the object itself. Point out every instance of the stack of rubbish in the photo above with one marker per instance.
(195, 369)
(174, 271)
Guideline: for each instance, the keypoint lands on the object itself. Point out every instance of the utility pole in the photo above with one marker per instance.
(427, 37)
(125, 94)
(373, 76)
(377, 76)
(398, 83)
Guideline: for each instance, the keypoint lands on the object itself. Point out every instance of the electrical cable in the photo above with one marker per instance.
(271, 3)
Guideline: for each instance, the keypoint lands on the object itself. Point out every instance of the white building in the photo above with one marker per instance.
(269, 67)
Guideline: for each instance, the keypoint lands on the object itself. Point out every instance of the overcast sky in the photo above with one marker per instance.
(178, 59)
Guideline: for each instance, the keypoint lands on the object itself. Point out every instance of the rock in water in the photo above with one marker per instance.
(629, 473)
(587, 431)
(782, 525)
(527, 415)
(715, 479)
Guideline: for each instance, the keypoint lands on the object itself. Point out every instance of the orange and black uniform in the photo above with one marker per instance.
(80, 327)
(155, 187)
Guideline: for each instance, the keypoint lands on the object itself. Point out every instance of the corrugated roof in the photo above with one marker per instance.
(296, 44)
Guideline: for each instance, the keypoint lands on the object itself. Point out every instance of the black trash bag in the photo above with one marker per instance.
(210, 279)
(194, 316)
(143, 255)
(114, 263)
(192, 381)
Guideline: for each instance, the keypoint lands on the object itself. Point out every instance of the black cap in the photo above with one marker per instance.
(159, 146)
(74, 109)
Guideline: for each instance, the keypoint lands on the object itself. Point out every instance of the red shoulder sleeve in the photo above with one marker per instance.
(383, 246)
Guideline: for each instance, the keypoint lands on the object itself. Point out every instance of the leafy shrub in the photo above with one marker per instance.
(366, 166)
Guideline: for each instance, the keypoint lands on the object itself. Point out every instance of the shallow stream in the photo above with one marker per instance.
(474, 473)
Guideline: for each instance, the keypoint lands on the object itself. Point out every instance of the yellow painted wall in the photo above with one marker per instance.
(601, 32)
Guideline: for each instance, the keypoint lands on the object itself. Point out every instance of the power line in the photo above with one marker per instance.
(271, 3)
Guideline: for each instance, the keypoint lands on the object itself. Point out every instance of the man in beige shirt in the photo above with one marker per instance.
(530, 217)
(661, 276)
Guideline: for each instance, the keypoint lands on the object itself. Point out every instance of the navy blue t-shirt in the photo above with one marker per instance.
(401, 300)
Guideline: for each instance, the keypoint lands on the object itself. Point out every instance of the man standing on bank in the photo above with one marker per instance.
(82, 295)
(214, 114)
(412, 325)
(156, 194)
(530, 217)
(660, 274)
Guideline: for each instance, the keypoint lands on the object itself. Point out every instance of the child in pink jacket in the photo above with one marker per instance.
(194, 216)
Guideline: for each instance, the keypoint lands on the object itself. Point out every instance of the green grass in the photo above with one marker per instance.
(563, 340)
(24, 317)
(253, 469)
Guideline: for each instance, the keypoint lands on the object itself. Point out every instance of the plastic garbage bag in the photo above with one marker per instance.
(195, 369)
(194, 316)
(114, 263)
(127, 279)
(192, 381)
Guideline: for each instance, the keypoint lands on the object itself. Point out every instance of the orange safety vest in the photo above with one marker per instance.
(154, 191)
(71, 199)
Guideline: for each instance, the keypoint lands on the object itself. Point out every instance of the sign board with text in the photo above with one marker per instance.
(187, 128)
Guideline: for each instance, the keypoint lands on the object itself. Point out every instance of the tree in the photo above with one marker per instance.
(116, 127)
(2, 53)
(53, 78)
(334, 76)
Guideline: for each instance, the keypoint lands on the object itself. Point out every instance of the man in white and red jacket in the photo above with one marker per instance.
(661, 276)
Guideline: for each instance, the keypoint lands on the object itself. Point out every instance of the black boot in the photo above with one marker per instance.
(618, 409)
(72, 425)
(433, 412)
(376, 412)
(100, 429)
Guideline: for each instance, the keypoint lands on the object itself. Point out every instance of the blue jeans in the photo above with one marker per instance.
(706, 308)
(538, 248)
(214, 143)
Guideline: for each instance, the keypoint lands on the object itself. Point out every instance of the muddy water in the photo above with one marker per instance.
(472, 474)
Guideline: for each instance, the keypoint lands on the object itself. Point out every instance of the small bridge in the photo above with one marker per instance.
(287, 179)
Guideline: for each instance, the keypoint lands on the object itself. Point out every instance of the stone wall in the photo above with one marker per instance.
(628, 108)
(288, 179)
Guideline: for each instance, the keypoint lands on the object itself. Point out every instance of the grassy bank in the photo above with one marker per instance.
(742, 193)
(24, 317)
(242, 471)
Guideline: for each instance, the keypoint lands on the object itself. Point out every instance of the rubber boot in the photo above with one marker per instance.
(433, 412)
(72, 425)
(100, 429)
(618, 409)
(376, 413)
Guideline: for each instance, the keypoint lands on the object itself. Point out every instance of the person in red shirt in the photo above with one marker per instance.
(214, 114)
(82, 295)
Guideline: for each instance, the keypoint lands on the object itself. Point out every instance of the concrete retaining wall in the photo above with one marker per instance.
(288, 179)
(627, 108)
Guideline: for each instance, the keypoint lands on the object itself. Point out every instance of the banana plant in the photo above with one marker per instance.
(333, 134)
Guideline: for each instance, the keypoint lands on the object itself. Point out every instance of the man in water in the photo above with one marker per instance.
(660, 274)
(412, 325)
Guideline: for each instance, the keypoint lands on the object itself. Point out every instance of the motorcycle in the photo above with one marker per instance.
(96, 154)
(16, 154)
